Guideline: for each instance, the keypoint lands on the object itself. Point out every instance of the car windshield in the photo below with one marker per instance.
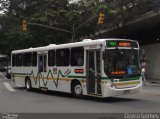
(120, 63)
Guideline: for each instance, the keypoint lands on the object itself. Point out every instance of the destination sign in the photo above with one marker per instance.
(122, 44)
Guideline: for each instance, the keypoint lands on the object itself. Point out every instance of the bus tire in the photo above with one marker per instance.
(28, 84)
(77, 90)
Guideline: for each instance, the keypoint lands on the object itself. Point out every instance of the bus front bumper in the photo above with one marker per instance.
(112, 91)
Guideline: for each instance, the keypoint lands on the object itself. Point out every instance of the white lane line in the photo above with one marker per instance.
(8, 86)
(2, 76)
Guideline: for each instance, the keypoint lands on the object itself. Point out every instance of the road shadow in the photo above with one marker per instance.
(87, 98)
(111, 99)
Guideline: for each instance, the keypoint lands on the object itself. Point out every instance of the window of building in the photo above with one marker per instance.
(77, 56)
(18, 59)
(51, 58)
(27, 59)
(62, 57)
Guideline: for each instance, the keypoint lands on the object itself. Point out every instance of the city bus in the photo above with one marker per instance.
(100, 68)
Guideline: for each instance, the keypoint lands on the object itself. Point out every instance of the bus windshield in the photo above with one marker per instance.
(120, 63)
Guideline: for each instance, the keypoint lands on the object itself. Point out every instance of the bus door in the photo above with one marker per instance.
(42, 70)
(93, 65)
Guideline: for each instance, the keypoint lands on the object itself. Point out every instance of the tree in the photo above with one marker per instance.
(48, 12)
(79, 18)
(120, 12)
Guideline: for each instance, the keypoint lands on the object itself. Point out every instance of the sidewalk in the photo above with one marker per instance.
(152, 81)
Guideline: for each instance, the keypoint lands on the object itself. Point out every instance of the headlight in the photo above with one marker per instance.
(109, 83)
(143, 70)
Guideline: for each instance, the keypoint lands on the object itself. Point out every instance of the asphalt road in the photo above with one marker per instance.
(18, 100)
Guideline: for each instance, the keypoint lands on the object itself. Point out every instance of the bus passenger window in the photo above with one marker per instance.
(18, 59)
(77, 56)
(51, 58)
(27, 59)
(62, 57)
(34, 59)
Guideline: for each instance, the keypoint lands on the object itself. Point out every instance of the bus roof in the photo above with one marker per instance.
(85, 42)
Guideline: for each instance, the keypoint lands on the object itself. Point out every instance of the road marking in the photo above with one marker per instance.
(2, 77)
(18, 85)
(8, 86)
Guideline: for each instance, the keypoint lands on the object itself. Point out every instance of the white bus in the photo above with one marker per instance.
(101, 68)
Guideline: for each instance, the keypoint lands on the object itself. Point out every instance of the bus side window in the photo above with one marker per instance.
(13, 59)
(27, 59)
(62, 57)
(51, 58)
(19, 59)
(77, 56)
(34, 59)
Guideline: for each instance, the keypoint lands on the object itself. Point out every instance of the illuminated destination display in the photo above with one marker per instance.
(122, 44)
(112, 43)
(118, 73)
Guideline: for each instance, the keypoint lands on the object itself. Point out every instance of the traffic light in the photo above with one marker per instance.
(101, 18)
(24, 25)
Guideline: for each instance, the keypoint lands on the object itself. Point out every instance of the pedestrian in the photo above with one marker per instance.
(143, 72)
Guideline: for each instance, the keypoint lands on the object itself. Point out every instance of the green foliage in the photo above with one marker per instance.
(48, 12)
(79, 18)
(122, 11)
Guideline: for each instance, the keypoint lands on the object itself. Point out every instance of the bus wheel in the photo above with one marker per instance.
(28, 84)
(77, 90)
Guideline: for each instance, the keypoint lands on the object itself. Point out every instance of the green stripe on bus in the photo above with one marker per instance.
(128, 79)
(102, 78)
(105, 78)
(19, 73)
(124, 79)
(76, 76)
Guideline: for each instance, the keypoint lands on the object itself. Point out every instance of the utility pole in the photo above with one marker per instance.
(42, 25)
(24, 26)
